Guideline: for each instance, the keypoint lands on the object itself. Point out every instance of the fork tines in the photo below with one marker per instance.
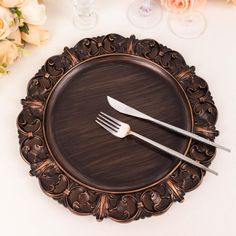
(107, 122)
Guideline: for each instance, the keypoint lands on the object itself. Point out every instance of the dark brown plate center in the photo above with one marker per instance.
(92, 156)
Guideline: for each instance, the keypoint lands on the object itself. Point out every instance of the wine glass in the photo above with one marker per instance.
(85, 17)
(190, 24)
(144, 13)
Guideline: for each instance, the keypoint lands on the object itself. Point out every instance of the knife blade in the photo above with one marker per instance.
(125, 109)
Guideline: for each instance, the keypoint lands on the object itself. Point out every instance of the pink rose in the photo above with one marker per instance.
(182, 5)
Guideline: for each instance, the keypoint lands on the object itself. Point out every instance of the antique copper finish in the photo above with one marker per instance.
(177, 192)
(122, 207)
(72, 57)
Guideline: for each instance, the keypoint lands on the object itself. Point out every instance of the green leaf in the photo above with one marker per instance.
(24, 28)
(17, 11)
(3, 69)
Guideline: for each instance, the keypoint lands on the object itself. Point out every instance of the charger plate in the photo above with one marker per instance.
(87, 169)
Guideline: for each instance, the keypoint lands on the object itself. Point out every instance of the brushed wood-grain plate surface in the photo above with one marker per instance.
(90, 154)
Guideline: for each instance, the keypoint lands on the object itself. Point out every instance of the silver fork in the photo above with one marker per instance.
(121, 130)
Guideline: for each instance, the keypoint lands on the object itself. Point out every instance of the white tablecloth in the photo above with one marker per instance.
(209, 210)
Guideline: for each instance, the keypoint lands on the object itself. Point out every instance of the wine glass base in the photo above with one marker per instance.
(85, 22)
(186, 26)
(138, 19)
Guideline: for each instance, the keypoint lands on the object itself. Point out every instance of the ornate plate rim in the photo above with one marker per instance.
(121, 207)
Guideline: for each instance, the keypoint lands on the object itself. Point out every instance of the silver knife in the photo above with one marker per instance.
(125, 109)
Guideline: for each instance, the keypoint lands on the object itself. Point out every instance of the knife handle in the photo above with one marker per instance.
(185, 133)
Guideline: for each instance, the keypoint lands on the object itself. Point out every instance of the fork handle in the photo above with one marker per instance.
(172, 152)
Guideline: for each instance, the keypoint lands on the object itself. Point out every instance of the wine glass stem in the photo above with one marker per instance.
(145, 8)
(84, 7)
(190, 15)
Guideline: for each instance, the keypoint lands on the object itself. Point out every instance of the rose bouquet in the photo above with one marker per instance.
(184, 5)
(21, 22)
